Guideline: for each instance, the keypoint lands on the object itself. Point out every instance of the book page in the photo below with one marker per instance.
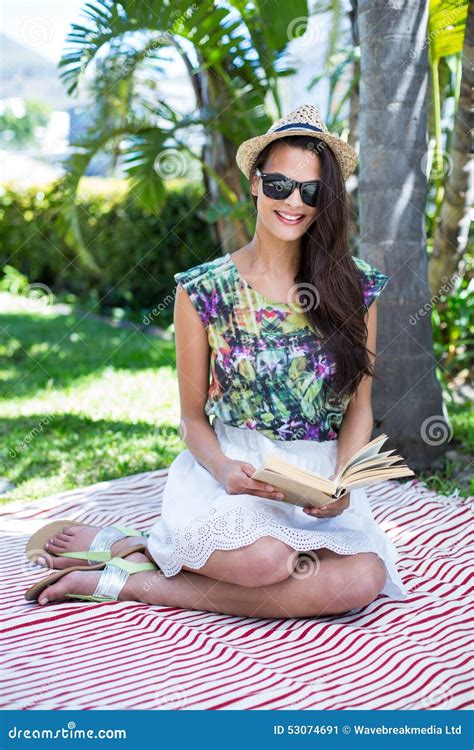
(368, 459)
(288, 469)
(367, 451)
(372, 477)
(372, 463)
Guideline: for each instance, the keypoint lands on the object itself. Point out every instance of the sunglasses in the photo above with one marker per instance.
(279, 187)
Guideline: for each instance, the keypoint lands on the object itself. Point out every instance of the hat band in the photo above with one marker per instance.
(302, 125)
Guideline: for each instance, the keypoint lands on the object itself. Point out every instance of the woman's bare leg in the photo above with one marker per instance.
(336, 584)
(326, 584)
(265, 561)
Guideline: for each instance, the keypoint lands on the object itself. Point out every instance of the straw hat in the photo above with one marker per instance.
(304, 120)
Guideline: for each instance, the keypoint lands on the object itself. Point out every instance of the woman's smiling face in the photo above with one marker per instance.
(301, 165)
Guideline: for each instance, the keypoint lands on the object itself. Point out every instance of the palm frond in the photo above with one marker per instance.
(232, 52)
(446, 27)
(143, 153)
(110, 20)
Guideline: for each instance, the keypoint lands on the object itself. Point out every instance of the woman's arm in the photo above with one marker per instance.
(193, 358)
(356, 426)
(358, 421)
(192, 361)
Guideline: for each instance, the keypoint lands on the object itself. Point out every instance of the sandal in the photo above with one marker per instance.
(113, 578)
(99, 550)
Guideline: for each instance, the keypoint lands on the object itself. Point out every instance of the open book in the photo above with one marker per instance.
(303, 487)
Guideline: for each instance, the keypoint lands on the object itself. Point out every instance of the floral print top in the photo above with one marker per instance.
(269, 371)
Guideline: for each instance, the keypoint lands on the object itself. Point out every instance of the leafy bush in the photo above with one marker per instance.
(137, 250)
(19, 128)
(13, 281)
(453, 333)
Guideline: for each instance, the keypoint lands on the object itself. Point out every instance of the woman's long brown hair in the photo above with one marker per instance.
(327, 266)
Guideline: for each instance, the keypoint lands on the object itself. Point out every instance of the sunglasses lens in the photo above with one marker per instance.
(309, 194)
(277, 189)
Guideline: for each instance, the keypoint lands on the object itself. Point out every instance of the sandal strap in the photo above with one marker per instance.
(90, 557)
(115, 575)
(107, 536)
(111, 582)
(128, 531)
(102, 544)
(104, 539)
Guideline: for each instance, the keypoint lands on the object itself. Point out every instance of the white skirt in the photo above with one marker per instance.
(199, 516)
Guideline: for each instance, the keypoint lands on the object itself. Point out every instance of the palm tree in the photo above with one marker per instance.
(452, 35)
(408, 403)
(233, 54)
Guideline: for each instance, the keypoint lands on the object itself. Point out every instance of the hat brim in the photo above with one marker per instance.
(249, 150)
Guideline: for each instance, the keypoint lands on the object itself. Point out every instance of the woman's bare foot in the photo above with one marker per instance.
(85, 582)
(74, 538)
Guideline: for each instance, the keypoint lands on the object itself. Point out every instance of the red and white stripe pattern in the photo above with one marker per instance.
(408, 654)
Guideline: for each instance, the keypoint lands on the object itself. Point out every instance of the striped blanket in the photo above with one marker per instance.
(410, 654)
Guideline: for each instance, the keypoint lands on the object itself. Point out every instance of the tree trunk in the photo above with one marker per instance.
(407, 402)
(354, 105)
(450, 238)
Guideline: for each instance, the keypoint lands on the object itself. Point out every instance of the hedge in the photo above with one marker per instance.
(138, 251)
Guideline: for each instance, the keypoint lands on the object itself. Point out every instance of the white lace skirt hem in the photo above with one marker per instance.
(199, 516)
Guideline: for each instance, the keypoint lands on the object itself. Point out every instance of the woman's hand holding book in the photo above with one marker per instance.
(335, 508)
(235, 477)
(308, 489)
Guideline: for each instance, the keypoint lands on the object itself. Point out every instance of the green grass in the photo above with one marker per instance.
(81, 402)
(445, 482)
(84, 402)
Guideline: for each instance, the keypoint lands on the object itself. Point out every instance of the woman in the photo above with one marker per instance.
(286, 326)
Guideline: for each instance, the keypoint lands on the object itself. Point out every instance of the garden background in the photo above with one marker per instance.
(148, 186)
